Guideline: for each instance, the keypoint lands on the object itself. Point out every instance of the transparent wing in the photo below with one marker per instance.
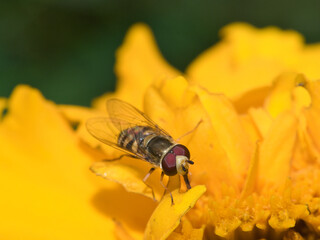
(124, 115)
(105, 131)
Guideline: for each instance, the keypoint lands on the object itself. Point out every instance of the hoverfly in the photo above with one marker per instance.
(131, 131)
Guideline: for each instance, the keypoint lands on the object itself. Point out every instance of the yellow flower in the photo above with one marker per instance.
(256, 152)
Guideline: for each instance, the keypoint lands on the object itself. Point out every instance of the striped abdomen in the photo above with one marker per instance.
(133, 138)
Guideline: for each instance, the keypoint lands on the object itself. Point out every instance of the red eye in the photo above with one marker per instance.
(169, 164)
(181, 150)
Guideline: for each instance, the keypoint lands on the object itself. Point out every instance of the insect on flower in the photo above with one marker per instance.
(131, 131)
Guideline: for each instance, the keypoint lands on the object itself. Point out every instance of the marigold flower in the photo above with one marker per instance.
(256, 152)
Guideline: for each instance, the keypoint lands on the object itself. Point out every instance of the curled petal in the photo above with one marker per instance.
(167, 217)
(130, 173)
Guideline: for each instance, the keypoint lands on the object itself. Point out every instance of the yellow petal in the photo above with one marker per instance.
(247, 58)
(261, 119)
(180, 117)
(76, 114)
(46, 187)
(138, 63)
(252, 176)
(276, 151)
(308, 62)
(187, 231)
(250, 128)
(121, 232)
(282, 95)
(167, 217)
(158, 110)
(130, 173)
(229, 130)
(313, 114)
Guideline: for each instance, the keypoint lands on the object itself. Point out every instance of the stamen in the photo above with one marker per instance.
(183, 168)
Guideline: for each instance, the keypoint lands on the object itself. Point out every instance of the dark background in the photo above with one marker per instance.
(66, 47)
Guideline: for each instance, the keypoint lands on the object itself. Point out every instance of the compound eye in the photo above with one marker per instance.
(169, 164)
(181, 150)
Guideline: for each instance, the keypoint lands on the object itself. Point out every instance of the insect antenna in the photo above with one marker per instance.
(191, 131)
(190, 162)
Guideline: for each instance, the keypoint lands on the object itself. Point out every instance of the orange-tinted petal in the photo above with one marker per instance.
(138, 63)
(167, 217)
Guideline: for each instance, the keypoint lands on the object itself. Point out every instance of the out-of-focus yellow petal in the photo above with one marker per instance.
(282, 96)
(167, 217)
(44, 175)
(276, 151)
(121, 233)
(76, 114)
(308, 63)
(246, 59)
(138, 63)
(3, 105)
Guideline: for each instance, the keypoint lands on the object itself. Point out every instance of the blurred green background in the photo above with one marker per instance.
(66, 47)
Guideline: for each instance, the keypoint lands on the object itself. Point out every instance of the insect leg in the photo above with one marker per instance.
(165, 188)
(186, 180)
(118, 158)
(145, 179)
(191, 131)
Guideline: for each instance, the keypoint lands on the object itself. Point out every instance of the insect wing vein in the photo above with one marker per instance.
(104, 130)
(125, 115)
